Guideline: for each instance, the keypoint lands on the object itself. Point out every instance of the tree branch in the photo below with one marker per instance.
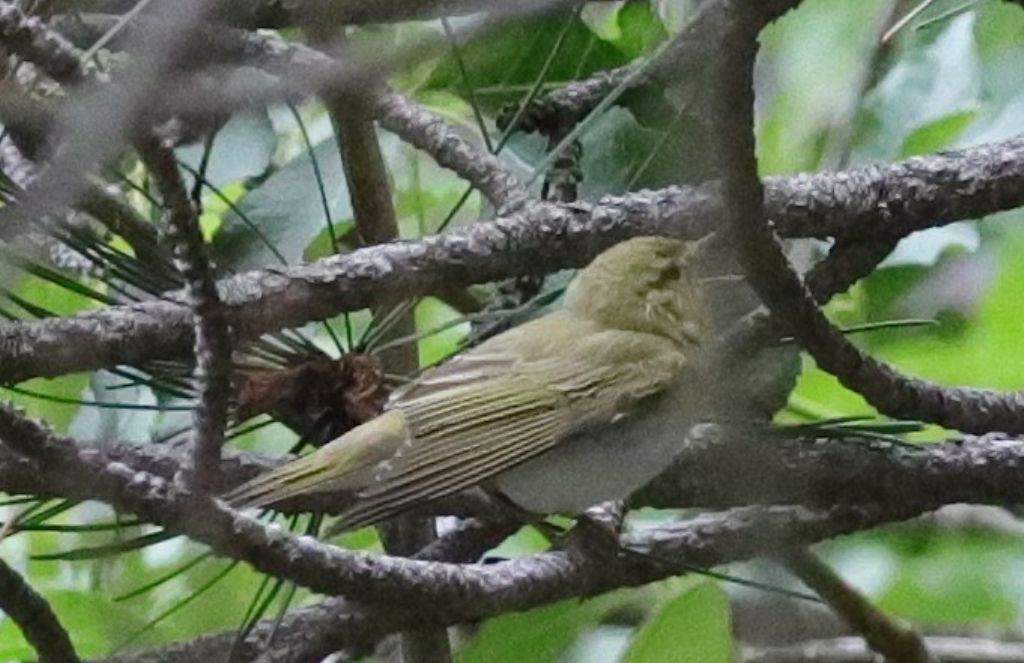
(33, 615)
(531, 238)
(543, 238)
(314, 632)
(442, 593)
(786, 294)
(898, 643)
(31, 39)
(901, 485)
(746, 467)
(434, 136)
(678, 61)
(518, 585)
(952, 649)
(393, 111)
(102, 117)
(212, 349)
(376, 222)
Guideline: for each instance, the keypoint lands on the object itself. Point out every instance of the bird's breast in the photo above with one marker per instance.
(605, 464)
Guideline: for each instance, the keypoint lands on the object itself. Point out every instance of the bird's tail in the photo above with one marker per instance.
(334, 466)
(302, 476)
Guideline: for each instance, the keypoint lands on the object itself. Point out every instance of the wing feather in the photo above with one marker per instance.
(509, 401)
(453, 472)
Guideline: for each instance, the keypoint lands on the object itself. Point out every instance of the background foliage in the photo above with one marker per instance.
(829, 96)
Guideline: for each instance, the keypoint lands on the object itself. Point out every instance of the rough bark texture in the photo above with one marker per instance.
(765, 494)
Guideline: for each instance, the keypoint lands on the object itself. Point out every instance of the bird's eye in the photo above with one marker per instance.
(667, 276)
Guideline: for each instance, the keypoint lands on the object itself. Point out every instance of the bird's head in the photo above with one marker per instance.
(645, 284)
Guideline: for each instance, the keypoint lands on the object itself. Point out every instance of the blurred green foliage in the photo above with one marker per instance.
(829, 96)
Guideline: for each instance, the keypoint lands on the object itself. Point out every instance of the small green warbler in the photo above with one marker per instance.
(578, 407)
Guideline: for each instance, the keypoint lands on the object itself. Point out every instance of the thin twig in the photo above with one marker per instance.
(212, 348)
(896, 642)
(905, 20)
(376, 222)
(438, 139)
(849, 261)
(951, 649)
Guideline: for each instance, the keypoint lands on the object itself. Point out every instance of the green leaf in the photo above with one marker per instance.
(615, 145)
(935, 576)
(58, 415)
(930, 82)
(93, 622)
(814, 60)
(640, 29)
(988, 351)
(937, 134)
(242, 148)
(979, 347)
(431, 314)
(505, 62)
(999, 32)
(55, 297)
(12, 645)
(537, 636)
(320, 246)
(613, 149)
(602, 19)
(286, 210)
(692, 627)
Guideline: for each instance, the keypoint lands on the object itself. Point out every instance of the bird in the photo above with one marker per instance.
(578, 407)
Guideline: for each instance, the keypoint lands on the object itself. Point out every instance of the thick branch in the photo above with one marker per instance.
(458, 592)
(33, 615)
(742, 469)
(543, 238)
(901, 198)
(313, 632)
(521, 584)
(901, 484)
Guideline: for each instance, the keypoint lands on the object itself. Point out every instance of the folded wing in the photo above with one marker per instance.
(508, 400)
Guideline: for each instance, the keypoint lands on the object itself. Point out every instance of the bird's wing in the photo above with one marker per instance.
(506, 402)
